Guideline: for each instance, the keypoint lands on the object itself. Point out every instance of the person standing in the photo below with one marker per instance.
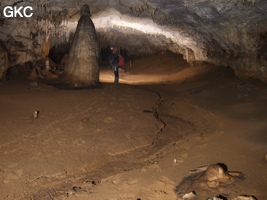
(115, 64)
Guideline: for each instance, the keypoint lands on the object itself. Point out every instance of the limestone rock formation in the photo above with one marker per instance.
(82, 69)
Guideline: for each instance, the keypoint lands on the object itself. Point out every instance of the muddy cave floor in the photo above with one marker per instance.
(120, 141)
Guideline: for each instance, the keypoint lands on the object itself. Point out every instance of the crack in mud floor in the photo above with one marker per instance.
(156, 114)
(63, 186)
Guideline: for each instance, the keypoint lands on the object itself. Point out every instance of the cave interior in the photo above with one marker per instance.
(127, 142)
(223, 33)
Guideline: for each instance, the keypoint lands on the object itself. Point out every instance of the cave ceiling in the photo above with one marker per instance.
(230, 33)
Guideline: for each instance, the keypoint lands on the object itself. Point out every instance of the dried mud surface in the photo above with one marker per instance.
(120, 141)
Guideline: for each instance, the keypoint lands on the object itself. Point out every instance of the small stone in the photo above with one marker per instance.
(245, 197)
(34, 84)
(265, 158)
(115, 182)
(190, 196)
(36, 113)
(70, 193)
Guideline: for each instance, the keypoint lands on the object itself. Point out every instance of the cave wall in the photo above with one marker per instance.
(229, 33)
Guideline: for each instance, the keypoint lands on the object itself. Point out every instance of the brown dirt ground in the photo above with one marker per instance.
(120, 141)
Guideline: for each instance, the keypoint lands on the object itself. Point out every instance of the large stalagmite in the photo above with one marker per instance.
(82, 69)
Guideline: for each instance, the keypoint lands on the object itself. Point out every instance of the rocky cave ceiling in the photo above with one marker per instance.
(224, 32)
